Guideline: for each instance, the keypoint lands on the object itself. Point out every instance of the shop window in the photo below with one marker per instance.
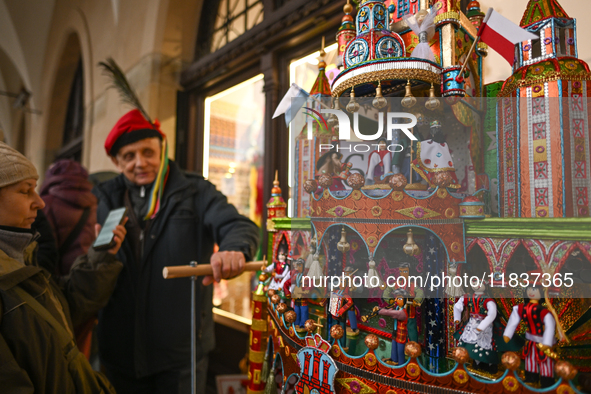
(74, 123)
(234, 145)
(234, 17)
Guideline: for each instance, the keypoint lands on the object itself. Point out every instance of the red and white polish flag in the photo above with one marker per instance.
(501, 34)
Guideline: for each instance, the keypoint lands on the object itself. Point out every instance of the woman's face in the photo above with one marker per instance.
(19, 204)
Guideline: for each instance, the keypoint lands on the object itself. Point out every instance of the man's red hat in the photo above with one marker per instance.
(130, 128)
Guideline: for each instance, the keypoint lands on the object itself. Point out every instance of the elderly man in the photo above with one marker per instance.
(174, 218)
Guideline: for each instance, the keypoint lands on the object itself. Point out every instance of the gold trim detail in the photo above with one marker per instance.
(413, 370)
(564, 389)
(412, 211)
(397, 195)
(291, 331)
(376, 211)
(442, 193)
(287, 351)
(450, 16)
(455, 247)
(249, 391)
(258, 325)
(460, 376)
(510, 383)
(256, 356)
(370, 359)
(325, 194)
(381, 75)
(259, 297)
(450, 213)
(554, 76)
(335, 351)
(356, 195)
(372, 241)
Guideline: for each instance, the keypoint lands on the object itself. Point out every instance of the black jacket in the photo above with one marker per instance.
(145, 327)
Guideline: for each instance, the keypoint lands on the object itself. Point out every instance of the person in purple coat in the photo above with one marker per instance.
(70, 208)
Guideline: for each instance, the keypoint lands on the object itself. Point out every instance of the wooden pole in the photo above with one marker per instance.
(459, 78)
(184, 271)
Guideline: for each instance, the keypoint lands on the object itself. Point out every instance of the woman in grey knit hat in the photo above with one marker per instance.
(37, 316)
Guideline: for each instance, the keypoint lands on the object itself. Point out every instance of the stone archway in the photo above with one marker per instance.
(69, 60)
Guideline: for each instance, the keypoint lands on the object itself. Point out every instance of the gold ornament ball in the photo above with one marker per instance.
(565, 370)
(336, 332)
(290, 316)
(275, 298)
(412, 349)
(310, 326)
(356, 181)
(281, 308)
(325, 180)
(271, 292)
(372, 342)
(397, 182)
(461, 355)
(347, 8)
(511, 360)
(310, 186)
(262, 277)
(442, 179)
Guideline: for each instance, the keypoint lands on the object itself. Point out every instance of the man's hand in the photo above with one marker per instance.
(225, 265)
(120, 233)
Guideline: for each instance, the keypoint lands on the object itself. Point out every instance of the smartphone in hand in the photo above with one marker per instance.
(105, 239)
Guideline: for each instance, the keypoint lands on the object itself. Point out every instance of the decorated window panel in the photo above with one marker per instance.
(363, 23)
(403, 8)
(526, 51)
(548, 42)
(380, 20)
(570, 42)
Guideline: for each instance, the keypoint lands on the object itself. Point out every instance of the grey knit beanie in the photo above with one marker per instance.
(14, 167)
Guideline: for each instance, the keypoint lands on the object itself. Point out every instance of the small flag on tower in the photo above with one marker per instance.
(502, 35)
(290, 104)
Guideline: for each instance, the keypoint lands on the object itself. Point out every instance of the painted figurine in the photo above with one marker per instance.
(417, 295)
(379, 164)
(341, 307)
(400, 332)
(310, 256)
(540, 330)
(422, 24)
(330, 163)
(294, 288)
(475, 333)
(433, 157)
(279, 270)
(401, 159)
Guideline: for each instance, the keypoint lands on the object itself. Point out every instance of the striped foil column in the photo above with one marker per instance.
(257, 344)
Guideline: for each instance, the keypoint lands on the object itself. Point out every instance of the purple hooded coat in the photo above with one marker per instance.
(66, 192)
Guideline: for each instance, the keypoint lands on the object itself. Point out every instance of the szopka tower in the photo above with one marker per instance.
(543, 121)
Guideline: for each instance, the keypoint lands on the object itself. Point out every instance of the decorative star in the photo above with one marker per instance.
(430, 332)
(430, 313)
(431, 237)
(431, 250)
(431, 346)
(433, 323)
(440, 340)
(493, 137)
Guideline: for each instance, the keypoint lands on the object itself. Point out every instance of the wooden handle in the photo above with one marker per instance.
(183, 271)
